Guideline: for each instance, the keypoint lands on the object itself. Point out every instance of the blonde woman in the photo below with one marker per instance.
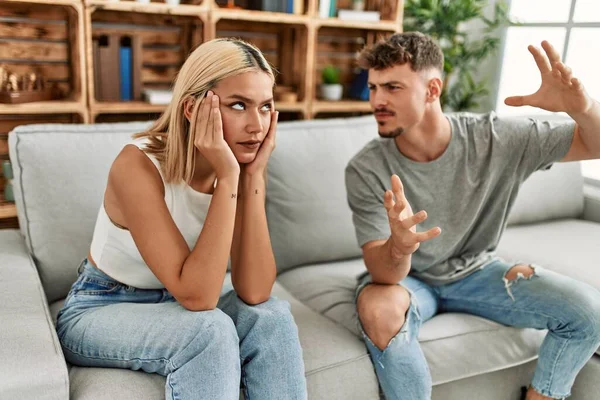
(181, 200)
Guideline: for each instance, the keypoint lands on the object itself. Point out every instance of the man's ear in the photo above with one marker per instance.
(434, 89)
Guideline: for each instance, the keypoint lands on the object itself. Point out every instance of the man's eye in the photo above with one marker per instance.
(371, 88)
(238, 106)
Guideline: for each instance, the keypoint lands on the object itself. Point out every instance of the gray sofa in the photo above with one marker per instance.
(60, 174)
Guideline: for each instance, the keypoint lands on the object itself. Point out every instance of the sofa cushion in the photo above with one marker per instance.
(60, 173)
(337, 364)
(32, 366)
(550, 194)
(445, 339)
(308, 214)
(569, 247)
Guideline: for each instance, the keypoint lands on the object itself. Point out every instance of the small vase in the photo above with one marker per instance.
(358, 5)
(332, 92)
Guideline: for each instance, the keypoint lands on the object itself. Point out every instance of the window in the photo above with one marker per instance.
(573, 27)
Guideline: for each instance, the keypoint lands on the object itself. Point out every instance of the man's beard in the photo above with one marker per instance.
(392, 134)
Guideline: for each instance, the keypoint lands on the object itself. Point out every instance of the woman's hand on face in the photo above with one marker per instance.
(207, 125)
(259, 164)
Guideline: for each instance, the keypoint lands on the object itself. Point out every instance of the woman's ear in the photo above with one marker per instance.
(188, 108)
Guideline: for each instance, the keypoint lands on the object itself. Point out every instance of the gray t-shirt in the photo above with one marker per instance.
(468, 191)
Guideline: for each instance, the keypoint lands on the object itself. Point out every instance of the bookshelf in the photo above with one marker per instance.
(60, 38)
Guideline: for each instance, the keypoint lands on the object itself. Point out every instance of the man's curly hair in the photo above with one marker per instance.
(415, 48)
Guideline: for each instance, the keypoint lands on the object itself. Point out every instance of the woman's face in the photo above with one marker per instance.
(246, 103)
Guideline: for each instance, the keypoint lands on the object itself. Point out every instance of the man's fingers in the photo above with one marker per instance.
(551, 52)
(427, 235)
(397, 187)
(518, 101)
(576, 84)
(414, 219)
(540, 59)
(565, 72)
(398, 190)
(398, 207)
(388, 201)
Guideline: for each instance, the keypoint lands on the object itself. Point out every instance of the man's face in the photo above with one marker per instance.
(398, 97)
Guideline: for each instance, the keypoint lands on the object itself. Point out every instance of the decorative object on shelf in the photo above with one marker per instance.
(353, 15)
(331, 88)
(31, 86)
(157, 96)
(285, 94)
(8, 176)
(360, 89)
(358, 5)
(117, 61)
(443, 21)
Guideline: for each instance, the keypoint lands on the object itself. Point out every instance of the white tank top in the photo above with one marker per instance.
(114, 250)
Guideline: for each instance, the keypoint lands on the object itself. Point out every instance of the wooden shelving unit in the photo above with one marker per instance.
(58, 36)
(7, 210)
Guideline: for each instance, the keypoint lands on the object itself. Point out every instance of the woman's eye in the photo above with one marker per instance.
(238, 106)
(266, 107)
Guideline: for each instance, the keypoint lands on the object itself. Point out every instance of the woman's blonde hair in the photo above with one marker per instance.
(169, 138)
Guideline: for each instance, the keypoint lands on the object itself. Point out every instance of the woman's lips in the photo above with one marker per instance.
(250, 145)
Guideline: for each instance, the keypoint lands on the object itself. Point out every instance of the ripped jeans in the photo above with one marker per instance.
(567, 308)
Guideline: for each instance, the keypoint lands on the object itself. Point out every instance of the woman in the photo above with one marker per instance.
(180, 200)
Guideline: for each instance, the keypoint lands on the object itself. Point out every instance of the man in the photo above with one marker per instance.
(465, 171)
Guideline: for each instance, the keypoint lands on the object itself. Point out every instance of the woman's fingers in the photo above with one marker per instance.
(209, 132)
(217, 121)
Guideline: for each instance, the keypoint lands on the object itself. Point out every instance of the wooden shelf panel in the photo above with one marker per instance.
(44, 107)
(128, 107)
(8, 210)
(152, 8)
(259, 16)
(133, 107)
(48, 2)
(390, 26)
(341, 106)
(284, 106)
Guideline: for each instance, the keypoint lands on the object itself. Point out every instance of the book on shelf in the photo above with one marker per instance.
(158, 96)
(324, 8)
(126, 74)
(353, 15)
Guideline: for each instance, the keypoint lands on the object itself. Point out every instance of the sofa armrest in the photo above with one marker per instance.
(33, 366)
(591, 208)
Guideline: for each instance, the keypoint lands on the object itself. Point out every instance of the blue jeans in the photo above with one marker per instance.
(204, 355)
(569, 309)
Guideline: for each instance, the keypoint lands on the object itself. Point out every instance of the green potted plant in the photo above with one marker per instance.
(463, 52)
(331, 88)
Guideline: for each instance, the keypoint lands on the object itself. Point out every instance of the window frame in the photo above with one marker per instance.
(569, 25)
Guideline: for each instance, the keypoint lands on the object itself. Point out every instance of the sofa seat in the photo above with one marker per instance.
(447, 339)
(568, 246)
(331, 353)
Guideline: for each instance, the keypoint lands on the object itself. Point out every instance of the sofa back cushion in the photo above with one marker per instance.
(309, 218)
(550, 194)
(60, 174)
